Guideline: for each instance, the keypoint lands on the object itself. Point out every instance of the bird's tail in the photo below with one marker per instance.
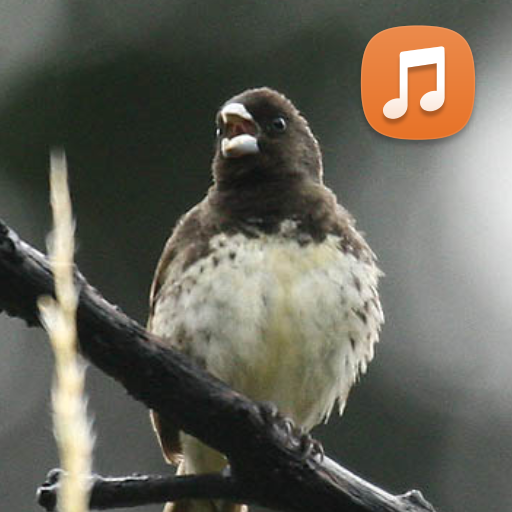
(204, 506)
(199, 458)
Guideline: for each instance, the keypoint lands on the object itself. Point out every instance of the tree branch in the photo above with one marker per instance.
(270, 465)
(136, 490)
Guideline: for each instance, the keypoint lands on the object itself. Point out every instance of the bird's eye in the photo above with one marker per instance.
(218, 131)
(279, 124)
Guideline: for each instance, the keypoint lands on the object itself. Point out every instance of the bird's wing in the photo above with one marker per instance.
(182, 246)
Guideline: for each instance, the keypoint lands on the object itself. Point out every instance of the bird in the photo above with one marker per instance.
(266, 283)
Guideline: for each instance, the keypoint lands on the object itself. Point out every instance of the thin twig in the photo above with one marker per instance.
(137, 490)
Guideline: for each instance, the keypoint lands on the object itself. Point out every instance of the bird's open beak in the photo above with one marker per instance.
(240, 132)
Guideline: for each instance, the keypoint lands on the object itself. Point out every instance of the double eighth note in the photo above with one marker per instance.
(430, 101)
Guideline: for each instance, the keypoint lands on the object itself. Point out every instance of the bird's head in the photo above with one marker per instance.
(261, 135)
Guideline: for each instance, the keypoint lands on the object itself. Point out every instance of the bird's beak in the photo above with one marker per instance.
(240, 132)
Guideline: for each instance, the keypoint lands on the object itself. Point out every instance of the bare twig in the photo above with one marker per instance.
(136, 490)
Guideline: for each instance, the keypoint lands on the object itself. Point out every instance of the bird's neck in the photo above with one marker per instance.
(267, 201)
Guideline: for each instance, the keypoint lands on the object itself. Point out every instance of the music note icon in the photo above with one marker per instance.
(430, 101)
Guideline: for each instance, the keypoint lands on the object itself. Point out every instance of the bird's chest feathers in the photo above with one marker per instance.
(295, 276)
(272, 318)
(264, 290)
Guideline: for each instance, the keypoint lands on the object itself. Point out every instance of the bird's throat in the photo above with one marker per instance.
(268, 200)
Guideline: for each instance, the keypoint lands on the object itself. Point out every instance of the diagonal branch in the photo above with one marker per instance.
(273, 467)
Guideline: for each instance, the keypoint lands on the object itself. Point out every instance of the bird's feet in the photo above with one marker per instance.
(294, 437)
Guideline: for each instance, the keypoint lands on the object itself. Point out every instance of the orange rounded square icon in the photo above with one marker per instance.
(418, 82)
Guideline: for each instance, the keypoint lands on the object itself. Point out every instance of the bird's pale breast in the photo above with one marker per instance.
(279, 321)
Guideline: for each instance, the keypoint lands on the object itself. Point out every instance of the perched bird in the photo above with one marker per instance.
(266, 283)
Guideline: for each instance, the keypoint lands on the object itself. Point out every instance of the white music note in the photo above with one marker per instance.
(430, 101)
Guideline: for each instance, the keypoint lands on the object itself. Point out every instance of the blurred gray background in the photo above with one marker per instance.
(130, 89)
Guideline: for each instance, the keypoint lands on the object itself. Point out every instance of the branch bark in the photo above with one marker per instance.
(270, 465)
(136, 490)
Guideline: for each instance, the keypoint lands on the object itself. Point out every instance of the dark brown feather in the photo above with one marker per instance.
(169, 438)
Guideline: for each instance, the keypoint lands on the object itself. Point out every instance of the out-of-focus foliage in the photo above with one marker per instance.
(130, 90)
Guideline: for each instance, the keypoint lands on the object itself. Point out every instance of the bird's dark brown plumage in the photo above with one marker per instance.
(255, 194)
(268, 233)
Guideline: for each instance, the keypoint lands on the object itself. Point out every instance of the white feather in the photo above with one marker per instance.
(275, 320)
